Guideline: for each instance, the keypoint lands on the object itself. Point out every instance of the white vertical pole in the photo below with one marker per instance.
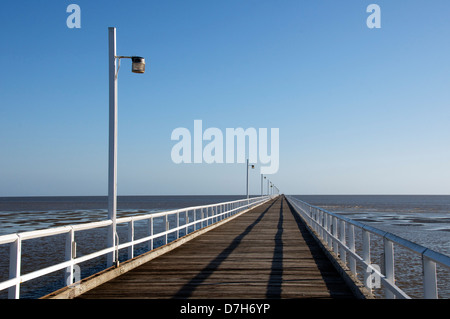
(247, 181)
(320, 223)
(14, 267)
(167, 228)
(262, 179)
(429, 278)
(343, 240)
(335, 235)
(69, 255)
(150, 233)
(112, 167)
(389, 266)
(330, 227)
(178, 223)
(366, 258)
(351, 245)
(195, 219)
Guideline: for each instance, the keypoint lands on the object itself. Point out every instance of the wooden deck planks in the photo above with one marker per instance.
(265, 253)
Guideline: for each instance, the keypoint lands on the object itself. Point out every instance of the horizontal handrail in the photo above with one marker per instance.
(333, 229)
(208, 213)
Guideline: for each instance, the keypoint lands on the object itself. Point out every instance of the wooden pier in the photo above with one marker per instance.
(264, 253)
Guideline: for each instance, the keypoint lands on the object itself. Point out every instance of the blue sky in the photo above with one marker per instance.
(360, 111)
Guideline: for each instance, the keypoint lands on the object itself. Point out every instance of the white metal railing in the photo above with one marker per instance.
(203, 216)
(338, 233)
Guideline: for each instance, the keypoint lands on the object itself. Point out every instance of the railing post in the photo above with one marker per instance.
(166, 219)
(389, 266)
(330, 227)
(314, 219)
(187, 221)
(335, 235)
(131, 239)
(178, 224)
(318, 228)
(195, 219)
(343, 240)
(150, 229)
(351, 246)
(69, 255)
(15, 249)
(322, 224)
(366, 258)
(325, 227)
(429, 278)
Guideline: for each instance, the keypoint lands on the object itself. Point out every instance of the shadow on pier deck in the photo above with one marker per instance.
(264, 253)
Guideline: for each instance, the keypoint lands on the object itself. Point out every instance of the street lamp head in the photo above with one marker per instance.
(253, 166)
(138, 64)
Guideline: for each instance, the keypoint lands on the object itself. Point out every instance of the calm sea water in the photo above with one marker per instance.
(421, 219)
(20, 214)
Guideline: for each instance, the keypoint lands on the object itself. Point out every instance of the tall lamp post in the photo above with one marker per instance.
(138, 66)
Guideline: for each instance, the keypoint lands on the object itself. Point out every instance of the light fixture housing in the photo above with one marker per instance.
(138, 64)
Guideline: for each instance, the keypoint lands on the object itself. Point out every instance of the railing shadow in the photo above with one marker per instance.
(327, 270)
(274, 288)
(187, 290)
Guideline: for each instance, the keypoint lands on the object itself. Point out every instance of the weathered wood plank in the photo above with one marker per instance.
(265, 253)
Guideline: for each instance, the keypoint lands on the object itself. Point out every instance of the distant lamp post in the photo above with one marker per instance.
(262, 182)
(138, 66)
(252, 166)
